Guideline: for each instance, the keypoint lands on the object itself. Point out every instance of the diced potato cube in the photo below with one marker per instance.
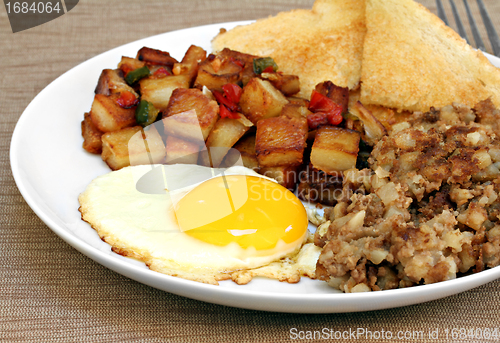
(180, 109)
(132, 144)
(245, 59)
(246, 148)
(286, 84)
(261, 100)
(128, 64)
(115, 147)
(189, 64)
(184, 125)
(280, 141)
(108, 116)
(146, 147)
(214, 73)
(153, 56)
(298, 101)
(246, 145)
(112, 81)
(335, 149)
(287, 176)
(181, 151)
(91, 136)
(224, 135)
(297, 111)
(232, 158)
(158, 90)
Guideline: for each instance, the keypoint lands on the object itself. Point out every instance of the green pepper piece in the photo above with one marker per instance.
(146, 113)
(260, 64)
(137, 74)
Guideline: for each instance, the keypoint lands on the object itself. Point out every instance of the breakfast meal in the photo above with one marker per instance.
(373, 111)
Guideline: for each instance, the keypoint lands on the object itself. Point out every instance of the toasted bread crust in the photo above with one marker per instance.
(413, 61)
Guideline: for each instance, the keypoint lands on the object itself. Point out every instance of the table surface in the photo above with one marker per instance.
(51, 292)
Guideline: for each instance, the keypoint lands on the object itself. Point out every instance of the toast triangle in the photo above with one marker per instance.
(413, 61)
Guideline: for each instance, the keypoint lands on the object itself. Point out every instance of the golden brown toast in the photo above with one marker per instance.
(321, 44)
(412, 61)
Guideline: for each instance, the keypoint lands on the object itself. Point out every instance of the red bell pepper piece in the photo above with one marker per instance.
(335, 116)
(322, 104)
(232, 92)
(269, 69)
(221, 99)
(127, 100)
(226, 113)
(162, 71)
(236, 61)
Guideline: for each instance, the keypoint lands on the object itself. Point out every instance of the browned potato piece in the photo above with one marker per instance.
(246, 147)
(182, 122)
(280, 141)
(132, 146)
(147, 147)
(189, 64)
(181, 151)
(286, 84)
(216, 72)
(298, 101)
(339, 95)
(128, 63)
(153, 56)
(91, 135)
(115, 147)
(335, 149)
(223, 136)
(297, 111)
(245, 59)
(261, 100)
(112, 81)
(108, 116)
(158, 90)
(184, 125)
(287, 176)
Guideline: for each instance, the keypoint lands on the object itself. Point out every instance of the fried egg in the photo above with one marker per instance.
(204, 224)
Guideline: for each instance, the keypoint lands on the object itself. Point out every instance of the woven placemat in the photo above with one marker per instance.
(51, 292)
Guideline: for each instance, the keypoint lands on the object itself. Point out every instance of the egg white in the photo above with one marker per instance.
(143, 226)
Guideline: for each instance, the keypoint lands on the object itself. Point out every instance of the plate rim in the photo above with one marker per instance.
(255, 300)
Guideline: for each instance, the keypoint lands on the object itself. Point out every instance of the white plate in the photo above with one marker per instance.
(51, 169)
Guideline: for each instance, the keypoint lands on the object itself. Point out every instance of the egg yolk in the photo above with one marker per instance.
(248, 210)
